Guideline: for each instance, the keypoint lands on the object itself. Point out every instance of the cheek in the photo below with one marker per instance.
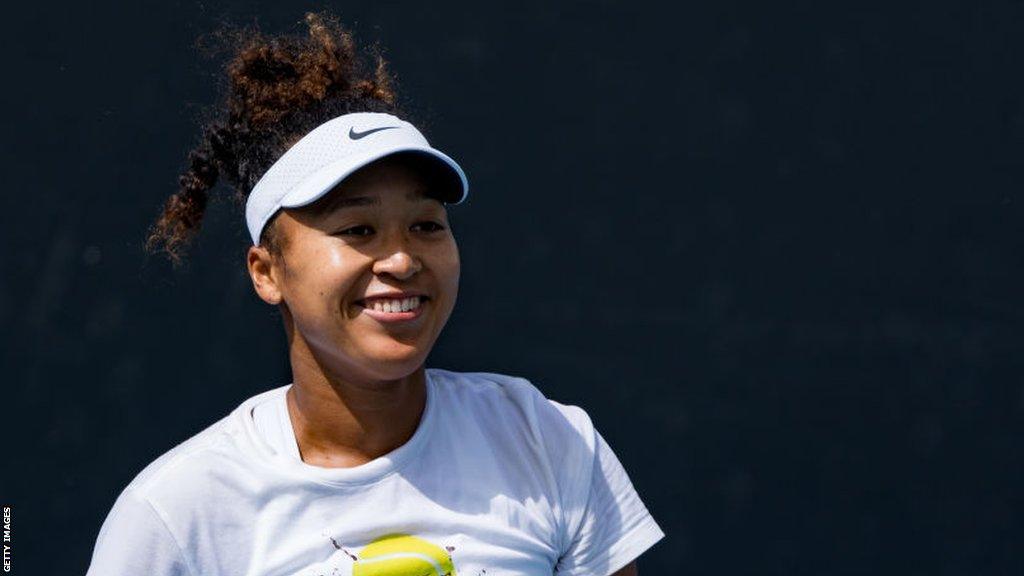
(449, 269)
(448, 265)
(326, 277)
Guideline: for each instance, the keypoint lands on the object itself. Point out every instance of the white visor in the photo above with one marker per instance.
(314, 165)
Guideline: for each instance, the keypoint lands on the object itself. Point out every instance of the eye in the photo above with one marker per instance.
(357, 231)
(431, 226)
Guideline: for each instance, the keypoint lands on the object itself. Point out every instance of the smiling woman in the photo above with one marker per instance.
(367, 462)
(345, 278)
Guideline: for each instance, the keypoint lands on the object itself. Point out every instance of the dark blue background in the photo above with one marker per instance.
(774, 249)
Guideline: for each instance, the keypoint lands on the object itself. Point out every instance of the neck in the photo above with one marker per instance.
(341, 421)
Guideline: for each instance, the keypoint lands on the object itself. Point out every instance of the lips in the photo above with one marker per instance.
(391, 296)
(390, 312)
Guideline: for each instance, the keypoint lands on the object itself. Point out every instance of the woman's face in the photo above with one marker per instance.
(375, 234)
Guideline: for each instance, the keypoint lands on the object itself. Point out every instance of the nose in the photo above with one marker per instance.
(398, 261)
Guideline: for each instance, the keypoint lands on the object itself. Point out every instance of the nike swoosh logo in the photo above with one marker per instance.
(357, 135)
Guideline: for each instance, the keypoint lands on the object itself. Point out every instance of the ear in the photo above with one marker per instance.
(264, 274)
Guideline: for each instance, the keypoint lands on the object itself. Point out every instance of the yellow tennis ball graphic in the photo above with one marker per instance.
(402, 555)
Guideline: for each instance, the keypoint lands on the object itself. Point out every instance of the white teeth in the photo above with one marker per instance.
(396, 305)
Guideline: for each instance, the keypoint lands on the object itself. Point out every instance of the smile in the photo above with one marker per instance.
(394, 309)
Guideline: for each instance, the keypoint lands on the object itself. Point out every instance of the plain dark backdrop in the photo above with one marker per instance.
(774, 250)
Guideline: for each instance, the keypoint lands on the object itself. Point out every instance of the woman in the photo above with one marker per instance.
(367, 463)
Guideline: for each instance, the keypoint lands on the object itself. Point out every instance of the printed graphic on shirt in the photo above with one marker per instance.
(389, 555)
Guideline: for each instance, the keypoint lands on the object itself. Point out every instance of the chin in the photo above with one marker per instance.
(387, 370)
(395, 360)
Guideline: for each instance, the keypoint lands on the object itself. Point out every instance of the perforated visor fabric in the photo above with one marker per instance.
(333, 151)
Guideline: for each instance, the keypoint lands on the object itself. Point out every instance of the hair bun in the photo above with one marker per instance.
(278, 88)
(269, 77)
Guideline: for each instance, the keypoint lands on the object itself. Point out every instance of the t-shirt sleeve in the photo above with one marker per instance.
(607, 526)
(135, 540)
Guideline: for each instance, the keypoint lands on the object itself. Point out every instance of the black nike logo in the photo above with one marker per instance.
(357, 135)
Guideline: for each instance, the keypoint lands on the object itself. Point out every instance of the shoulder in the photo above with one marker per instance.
(556, 441)
(514, 393)
(518, 403)
(182, 465)
(189, 464)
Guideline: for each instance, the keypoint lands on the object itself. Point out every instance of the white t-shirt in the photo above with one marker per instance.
(496, 480)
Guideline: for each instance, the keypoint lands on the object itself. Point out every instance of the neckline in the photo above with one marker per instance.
(366, 473)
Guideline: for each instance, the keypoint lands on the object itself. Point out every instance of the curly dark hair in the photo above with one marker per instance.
(278, 89)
